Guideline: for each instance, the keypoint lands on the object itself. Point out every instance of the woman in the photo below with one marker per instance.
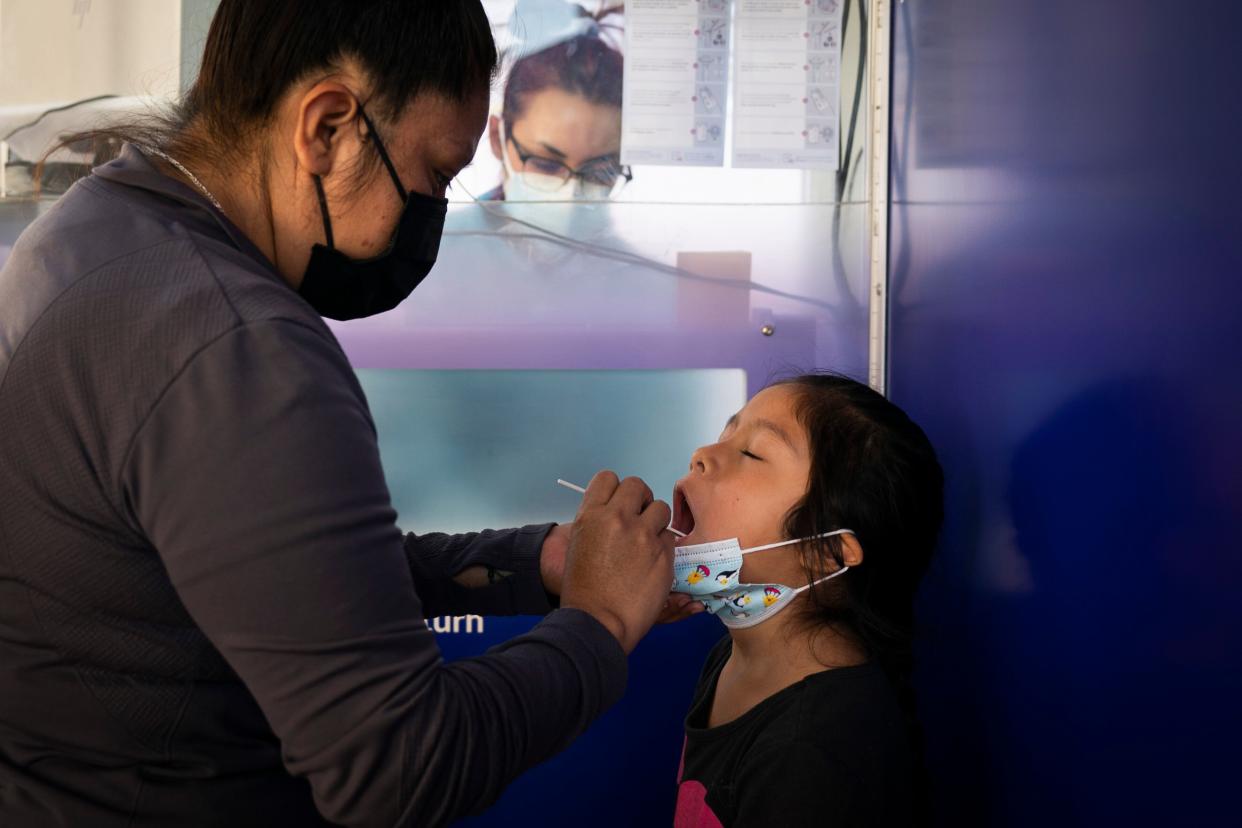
(207, 613)
(540, 251)
(558, 134)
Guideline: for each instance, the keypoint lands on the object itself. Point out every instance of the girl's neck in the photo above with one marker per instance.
(774, 655)
(788, 651)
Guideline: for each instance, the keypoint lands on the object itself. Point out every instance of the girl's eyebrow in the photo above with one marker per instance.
(766, 425)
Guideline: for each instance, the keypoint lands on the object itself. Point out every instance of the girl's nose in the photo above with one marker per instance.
(700, 461)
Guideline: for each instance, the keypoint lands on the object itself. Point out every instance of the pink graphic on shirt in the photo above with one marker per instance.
(692, 808)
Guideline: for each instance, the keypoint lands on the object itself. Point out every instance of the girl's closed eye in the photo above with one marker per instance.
(751, 455)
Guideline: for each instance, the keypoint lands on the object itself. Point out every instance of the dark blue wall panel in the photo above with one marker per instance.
(1067, 289)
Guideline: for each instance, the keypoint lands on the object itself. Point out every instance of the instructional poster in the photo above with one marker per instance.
(787, 83)
(676, 82)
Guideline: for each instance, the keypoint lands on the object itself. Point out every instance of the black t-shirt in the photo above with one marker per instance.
(832, 749)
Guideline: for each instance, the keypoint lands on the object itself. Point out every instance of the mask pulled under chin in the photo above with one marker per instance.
(711, 573)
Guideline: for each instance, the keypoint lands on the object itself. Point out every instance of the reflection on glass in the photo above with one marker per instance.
(467, 450)
(558, 131)
(550, 175)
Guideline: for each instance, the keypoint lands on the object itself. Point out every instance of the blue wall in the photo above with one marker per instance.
(1067, 288)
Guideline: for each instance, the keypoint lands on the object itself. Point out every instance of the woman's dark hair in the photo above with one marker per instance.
(257, 49)
(874, 471)
(584, 66)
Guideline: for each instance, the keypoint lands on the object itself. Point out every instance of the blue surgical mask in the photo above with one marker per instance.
(711, 572)
(573, 208)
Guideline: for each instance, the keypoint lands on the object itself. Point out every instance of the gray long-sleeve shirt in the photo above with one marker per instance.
(207, 613)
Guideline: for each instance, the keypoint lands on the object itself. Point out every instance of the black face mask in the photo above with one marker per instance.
(339, 287)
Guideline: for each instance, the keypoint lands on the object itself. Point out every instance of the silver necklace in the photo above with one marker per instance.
(193, 178)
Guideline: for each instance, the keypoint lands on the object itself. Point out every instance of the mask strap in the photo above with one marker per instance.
(323, 210)
(383, 153)
(840, 571)
(797, 540)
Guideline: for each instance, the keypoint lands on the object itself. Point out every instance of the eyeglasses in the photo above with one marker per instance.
(551, 175)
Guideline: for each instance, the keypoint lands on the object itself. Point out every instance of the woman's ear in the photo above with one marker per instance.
(323, 111)
(851, 550)
(493, 135)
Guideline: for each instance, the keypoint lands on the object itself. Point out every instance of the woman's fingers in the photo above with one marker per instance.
(601, 488)
(679, 607)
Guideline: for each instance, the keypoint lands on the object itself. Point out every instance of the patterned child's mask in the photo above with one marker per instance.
(711, 573)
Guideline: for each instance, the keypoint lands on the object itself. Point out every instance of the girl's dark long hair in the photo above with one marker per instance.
(256, 50)
(874, 471)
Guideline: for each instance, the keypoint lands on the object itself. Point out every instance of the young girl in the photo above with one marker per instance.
(803, 714)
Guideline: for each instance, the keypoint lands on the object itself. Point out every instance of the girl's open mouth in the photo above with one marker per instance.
(683, 514)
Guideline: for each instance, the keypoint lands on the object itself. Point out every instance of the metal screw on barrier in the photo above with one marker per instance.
(768, 330)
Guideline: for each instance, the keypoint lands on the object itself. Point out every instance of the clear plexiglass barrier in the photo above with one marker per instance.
(621, 266)
(467, 449)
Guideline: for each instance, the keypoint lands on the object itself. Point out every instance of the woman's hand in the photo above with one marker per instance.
(679, 606)
(552, 558)
(619, 565)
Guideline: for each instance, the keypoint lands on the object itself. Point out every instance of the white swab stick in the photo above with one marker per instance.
(581, 490)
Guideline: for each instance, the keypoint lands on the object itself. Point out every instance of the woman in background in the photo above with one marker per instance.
(542, 250)
(558, 134)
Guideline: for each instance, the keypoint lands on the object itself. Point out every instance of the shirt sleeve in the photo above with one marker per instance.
(794, 785)
(258, 481)
(510, 559)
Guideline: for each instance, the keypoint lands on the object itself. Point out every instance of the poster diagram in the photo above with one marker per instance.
(786, 94)
(676, 82)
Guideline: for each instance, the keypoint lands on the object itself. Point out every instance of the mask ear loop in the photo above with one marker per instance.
(383, 154)
(323, 211)
(844, 567)
(392, 171)
(796, 540)
(802, 589)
